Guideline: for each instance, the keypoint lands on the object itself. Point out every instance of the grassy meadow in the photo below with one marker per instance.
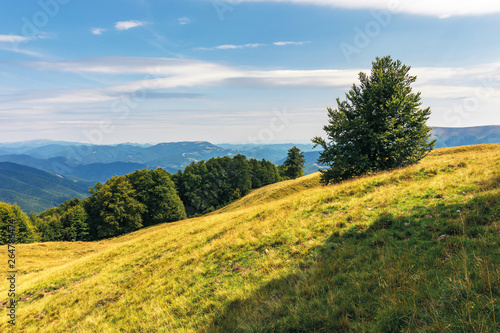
(410, 250)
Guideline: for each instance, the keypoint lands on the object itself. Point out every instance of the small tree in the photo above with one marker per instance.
(294, 163)
(379, 127)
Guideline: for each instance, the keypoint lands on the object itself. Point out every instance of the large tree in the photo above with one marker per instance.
(379, 127)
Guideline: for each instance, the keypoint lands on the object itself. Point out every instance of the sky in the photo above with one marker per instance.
(232, 71)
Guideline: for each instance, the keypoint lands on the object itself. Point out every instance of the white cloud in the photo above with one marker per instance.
(13, 39)
(249, 45)
(441, 8)
(288, 43)
(446, 84)
(125, 25)
(183, 20)
(16, 49)
(232, 47)
(97, 31)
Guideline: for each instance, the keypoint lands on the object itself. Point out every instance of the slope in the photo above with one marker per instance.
(415, 249)
(36, 190)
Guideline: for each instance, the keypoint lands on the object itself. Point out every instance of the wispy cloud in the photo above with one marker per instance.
(249, 45)
(13, 39)
(162, 74)
(11, 43)
(97, 31)
(244, 46)
(231, 47)
(288, 43)
(16, 49)
(183, 20)
(441, 8)
(125, 25)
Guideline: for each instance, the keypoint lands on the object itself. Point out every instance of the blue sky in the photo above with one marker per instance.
(242, 71)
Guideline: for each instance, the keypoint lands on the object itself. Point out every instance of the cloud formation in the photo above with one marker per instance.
(13, 39)
(441, 8)
(97, 31)
(125, 25)
(248, 45)
(183, 20)
(11, 43)
(162, 74)
(288, 43)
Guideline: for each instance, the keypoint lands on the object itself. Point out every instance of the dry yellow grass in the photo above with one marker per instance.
(182, 276)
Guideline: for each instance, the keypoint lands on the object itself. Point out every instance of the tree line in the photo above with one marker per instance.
(147, 197)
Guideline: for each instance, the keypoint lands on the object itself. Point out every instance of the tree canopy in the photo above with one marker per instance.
(23, 231)
(294, 163)
(156, 190)
(379, 127)
(208, 185)
(113, 208)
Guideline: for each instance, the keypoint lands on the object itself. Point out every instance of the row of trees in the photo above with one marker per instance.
(147, 197)
(208, 185)
(121, 205)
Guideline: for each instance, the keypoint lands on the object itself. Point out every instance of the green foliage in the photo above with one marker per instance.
(24, 231)
(157, 192)
(294, 163)
(263, 173)
(379, 127)
(66, 222)
(113, 208)
(121, 205)
(147, 197)
(208, 185)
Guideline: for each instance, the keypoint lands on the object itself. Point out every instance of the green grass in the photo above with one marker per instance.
(411, 250)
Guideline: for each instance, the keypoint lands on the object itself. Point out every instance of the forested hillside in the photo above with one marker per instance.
(144, 198)
(34, 190)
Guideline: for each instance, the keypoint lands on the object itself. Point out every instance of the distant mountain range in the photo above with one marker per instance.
(76, 166)
(463, 136)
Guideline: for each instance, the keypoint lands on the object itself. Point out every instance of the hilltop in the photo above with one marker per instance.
(415, 249)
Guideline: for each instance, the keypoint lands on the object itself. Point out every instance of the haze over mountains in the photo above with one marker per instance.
(35, 190)
(76, 166)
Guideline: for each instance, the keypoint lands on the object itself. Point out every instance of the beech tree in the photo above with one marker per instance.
(113, 209)
(379, 127)
(156, 190)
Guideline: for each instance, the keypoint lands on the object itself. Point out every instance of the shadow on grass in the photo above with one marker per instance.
(395, 276)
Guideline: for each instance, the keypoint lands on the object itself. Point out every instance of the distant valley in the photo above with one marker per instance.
(35, 190)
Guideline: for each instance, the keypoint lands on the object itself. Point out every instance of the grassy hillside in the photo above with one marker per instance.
(413, 250)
